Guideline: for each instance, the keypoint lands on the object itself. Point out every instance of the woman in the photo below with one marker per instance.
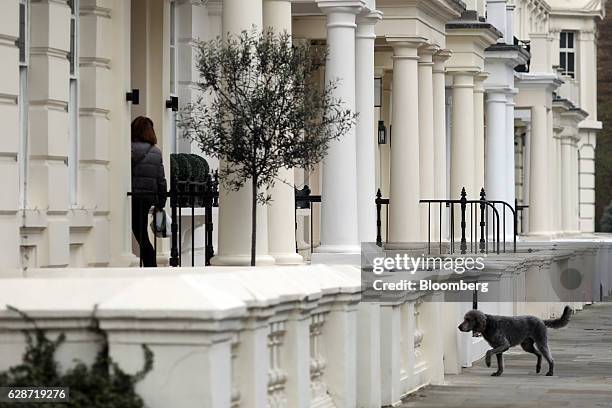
(148, 181)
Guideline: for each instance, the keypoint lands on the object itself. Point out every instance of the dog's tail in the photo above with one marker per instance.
(560, 322)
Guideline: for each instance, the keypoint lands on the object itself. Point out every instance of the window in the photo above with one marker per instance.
(23, 43)
(567, 55)
(73, 103)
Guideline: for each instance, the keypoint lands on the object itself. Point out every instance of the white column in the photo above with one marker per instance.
(405, 182)
(281, 210)
(385, 150)
(462, 136)
(390, 353)
(495, 166)
(239, 15)
(426, 134)
(553, 174)
(510, 166)
(557, 174)
(94, 181)
(479, 133)
(440, 161)
(369, 352)
(119, 150)
(527, 175)
(539, 211)
(339, 231)
(48, 180)
(10, 101)
(296, 358)
(567, 184)
(235, 206)
(366, 130)
(339, 340)
(575, 190)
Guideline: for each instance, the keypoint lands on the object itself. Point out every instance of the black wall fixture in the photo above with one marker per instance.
(172, 103)
(133, 96)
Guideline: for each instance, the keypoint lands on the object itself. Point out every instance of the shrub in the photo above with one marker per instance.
(103, 385)
(199, 168)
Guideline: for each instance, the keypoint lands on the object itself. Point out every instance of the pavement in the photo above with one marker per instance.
(583, 372)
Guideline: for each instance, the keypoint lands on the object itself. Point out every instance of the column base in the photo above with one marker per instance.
(125, 259)
(408, 246)
(290, 258)
(241, 260)
(539, 236)
(337, 255)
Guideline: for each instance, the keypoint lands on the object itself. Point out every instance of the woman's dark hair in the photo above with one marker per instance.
(142, 130)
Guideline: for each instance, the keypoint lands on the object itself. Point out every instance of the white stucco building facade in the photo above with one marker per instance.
(493, 94)
(66, 118)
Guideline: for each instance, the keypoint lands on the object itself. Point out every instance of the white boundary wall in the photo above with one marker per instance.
(278, 336)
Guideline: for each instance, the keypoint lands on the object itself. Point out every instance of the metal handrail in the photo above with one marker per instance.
(209, 198)
(483, 204)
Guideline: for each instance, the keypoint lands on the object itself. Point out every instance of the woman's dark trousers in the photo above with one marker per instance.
(140, 217)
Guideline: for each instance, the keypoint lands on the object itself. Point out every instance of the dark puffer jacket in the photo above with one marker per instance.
(148, 171)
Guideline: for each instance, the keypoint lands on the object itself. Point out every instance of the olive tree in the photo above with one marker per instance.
(261, 109)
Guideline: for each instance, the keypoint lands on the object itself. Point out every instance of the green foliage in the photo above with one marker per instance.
(188, 167)
(199, 168)
(103, 385)
(174, 167)
(606, 219)
(185, 172)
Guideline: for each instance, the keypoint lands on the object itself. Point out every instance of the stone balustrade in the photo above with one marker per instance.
(283, 336)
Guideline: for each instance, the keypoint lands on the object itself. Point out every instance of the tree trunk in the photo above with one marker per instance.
(253, 221)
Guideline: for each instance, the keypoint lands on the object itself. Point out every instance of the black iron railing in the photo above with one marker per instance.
(189, 195)
(304, 200)
(483, 217)
(520, 215)
(380, 201)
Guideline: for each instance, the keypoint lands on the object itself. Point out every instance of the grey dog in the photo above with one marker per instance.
(503, 332)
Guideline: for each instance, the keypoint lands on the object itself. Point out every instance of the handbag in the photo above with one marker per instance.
(161, 225)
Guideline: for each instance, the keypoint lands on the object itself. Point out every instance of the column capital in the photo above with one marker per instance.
(481, 76)
(442, 55)
(478, 81)
(439, 58)
(457, 72)
(405, 47)
(426, 53)
(341, 6)
(366, 23)
(369, 16)
(496, 95)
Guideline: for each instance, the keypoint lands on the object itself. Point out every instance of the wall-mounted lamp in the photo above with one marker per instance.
(172, 103)
(382, 132)
(133, 96)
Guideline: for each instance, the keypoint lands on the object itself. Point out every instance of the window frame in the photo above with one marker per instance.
(565, 51)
